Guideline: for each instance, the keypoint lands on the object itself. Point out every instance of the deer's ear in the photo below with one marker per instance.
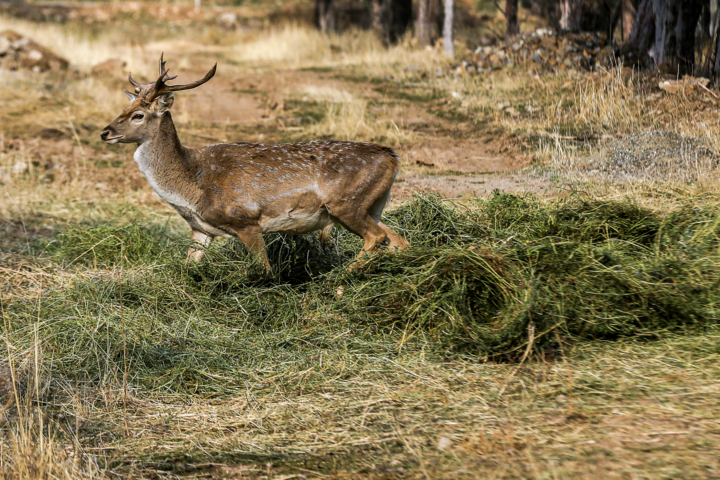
(165, 102)
(130, 96)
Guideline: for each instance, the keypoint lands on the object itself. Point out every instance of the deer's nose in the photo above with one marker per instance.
(105, 134)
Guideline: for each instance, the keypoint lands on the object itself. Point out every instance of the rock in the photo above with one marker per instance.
(674, 86)
(110, 68)
(4, 46)
(35, 55)
(20, 167)
(20, 43)
(540, 51)
(22, 53)
(444, 443)
(670, 86)
(228, 20)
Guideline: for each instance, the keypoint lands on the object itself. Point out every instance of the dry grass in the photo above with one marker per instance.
(569, 118)
(28, 446)
(606, 411)
(298, 46)
(76, 44)
(350, 120)
(316, 395)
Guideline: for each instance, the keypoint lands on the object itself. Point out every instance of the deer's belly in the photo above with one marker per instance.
(207, 228)
(300, 222)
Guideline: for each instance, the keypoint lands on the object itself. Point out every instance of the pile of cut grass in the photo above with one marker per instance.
(481, 279)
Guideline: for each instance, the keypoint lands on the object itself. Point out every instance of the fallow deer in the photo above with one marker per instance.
(247, 189)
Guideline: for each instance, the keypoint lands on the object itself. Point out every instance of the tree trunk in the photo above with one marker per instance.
(570, 14)
(675, 25)
(688, 17)
(379, 18)
(422, 27)
(550, 10)
(428, 22)
(511, 18)
(657, 51)
(448, 29)
(642, 36)
(402, 14)
(706, 19)
(716, 62)
(391, 18)
(326, 15)
(629, 13)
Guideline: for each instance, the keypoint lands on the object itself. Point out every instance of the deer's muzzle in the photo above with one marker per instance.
(107, 136)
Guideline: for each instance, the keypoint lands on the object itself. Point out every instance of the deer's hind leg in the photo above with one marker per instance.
(374, 236)
(395, 240)
(368, 230)
(251, 236)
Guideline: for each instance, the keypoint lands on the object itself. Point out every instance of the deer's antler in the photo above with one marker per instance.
(150, 91)
(162, 87)
(164, 72)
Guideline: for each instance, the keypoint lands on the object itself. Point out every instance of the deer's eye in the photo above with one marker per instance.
(138, 116)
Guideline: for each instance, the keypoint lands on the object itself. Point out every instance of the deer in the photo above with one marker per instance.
(245, 190)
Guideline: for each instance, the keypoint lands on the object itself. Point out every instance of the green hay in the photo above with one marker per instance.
(106, 245)
(475, 280)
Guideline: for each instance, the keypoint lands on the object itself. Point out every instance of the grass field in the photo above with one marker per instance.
(547, 322)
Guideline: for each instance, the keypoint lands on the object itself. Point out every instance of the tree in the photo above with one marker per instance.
(448, 29)
(511, 18)
(428, 22)
(570, 14)
(326, 15)
(422, 28)
(391, 18)
(642, 36)
(679, 43)
(402, 16)
(629, 12)
(588, 15)
(665, 29)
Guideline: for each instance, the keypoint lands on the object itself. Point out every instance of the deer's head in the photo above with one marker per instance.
(140, 120)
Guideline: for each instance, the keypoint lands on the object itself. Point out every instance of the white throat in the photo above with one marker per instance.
(144, 158)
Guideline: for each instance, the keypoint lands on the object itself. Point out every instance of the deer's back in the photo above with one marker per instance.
(268, 182)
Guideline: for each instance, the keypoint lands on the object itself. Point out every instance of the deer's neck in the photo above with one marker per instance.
(168, 166)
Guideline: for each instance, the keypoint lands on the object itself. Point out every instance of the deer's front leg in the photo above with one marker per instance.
(251, 236)
(196, 254)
